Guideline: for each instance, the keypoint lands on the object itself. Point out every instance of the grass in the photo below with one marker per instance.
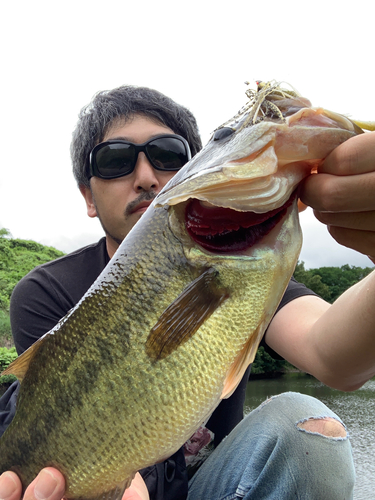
(5, 330)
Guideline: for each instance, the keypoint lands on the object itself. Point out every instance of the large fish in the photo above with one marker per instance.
(170, 326)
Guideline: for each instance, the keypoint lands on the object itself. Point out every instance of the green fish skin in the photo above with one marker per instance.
(170, 326)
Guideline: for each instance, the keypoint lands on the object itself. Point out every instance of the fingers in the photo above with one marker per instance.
(361, 241)
(342, 193)
(333, 193)
(48, 485)
(364, 221)
(355, 156)
(346, 179)
(10, 486)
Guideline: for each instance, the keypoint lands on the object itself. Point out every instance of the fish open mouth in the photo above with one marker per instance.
(223, 230)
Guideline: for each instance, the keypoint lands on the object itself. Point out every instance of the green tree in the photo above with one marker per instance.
(17, 258)
(312, 281)
(6, 357)
(330, 282)
(264, 364)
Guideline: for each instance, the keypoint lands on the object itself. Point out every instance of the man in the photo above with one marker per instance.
(265, 456)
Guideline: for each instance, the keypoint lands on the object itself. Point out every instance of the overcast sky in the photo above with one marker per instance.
(55, 56)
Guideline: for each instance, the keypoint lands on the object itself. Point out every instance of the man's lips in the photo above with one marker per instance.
(142, 207)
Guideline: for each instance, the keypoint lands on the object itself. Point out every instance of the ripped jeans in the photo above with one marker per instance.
(280, 451)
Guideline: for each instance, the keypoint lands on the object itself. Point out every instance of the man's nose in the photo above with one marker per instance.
(145, 177)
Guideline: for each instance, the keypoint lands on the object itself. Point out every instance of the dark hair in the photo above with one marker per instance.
(107, 107)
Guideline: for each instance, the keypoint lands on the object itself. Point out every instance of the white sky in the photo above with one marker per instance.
(55, 56)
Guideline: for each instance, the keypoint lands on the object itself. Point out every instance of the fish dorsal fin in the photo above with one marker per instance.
(242, 361)
(179, 322)
(19, 366)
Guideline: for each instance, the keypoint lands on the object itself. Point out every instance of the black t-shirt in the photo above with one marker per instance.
(48, 292)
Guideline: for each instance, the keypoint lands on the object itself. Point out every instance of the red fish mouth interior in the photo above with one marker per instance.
(223, 230)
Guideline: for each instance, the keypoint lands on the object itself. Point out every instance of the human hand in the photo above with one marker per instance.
(50, 485)
(343, 193)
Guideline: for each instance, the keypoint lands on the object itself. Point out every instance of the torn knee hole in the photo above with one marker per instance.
(328, 426)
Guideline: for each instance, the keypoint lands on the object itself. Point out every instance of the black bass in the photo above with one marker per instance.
(170, 326)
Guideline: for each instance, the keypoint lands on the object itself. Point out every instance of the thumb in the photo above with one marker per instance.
(10, 486)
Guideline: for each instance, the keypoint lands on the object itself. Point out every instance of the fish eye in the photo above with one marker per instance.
(222, 133)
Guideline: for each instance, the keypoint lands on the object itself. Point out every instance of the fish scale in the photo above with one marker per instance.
(169, 328)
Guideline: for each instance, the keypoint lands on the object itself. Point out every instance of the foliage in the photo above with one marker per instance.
(264, 363)
(6, 357)
(330, 282)
(17, 258)
(312, 281)
(5, 325)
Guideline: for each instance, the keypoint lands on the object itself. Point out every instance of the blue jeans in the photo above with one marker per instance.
(268, 456)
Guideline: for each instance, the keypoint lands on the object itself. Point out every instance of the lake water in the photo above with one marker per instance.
(356, 409)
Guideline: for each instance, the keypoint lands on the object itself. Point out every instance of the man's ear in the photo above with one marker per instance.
(89, 199)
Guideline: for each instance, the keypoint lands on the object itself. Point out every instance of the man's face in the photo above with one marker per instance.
(119, 203)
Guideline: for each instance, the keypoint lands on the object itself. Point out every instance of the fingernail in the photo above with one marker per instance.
(7, 486)
(45, 485)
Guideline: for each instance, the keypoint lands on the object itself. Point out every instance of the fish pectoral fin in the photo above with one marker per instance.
(242, 361)
(180, 321)
(20, 365)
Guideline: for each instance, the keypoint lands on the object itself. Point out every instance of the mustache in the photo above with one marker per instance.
(144, 196)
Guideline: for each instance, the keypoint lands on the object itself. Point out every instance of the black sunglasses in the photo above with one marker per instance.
(116, 158)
